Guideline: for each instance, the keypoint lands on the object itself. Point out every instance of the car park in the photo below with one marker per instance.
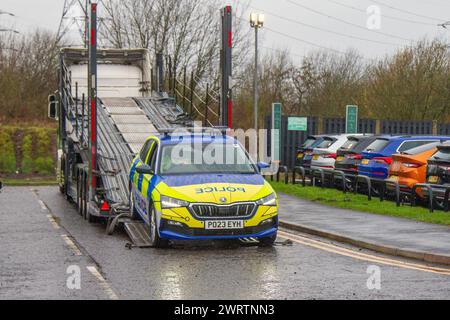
(324, 155)
(377, 157)
(409, 167)
(191, 199)
(438, 172)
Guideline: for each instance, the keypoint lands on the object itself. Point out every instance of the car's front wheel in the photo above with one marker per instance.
(155, 240)
(267, 241)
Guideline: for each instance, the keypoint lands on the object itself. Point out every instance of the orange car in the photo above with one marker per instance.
(410, 167)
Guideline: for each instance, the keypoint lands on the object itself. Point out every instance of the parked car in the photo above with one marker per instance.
(410, 167)
(324, 142)
(324, 155)
(349, 155)
(378, 155)
(438, 171)
(306, 148)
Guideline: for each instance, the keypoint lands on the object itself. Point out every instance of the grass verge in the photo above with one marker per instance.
(42, 181)
(359, 202)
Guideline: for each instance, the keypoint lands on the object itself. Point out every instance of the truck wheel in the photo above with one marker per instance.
(267, 241)
(83, 196)
(155, 240)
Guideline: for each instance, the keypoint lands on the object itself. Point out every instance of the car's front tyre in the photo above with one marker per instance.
(155, 240)
(267, 241)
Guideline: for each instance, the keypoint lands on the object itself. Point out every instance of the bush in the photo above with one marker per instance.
(7, 153)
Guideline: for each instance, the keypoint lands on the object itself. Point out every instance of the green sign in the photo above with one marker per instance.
(297, 124)
(351, 119)
(276, 128)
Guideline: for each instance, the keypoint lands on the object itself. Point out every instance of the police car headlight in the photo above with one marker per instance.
(168, 202)
(270, 200)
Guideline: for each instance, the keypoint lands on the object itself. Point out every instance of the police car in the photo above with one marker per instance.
(193, 187)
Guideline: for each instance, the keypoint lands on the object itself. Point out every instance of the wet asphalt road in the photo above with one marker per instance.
(42, 235)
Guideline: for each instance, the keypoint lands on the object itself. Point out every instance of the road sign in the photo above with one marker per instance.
(276, 129)
(297, 124)
(351, 119)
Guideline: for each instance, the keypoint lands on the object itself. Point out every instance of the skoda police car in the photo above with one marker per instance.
(193, 187)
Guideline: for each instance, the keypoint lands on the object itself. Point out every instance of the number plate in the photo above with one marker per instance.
(300, 155)
(394, 178)
(433, 179)
(316, 157)
(339, 159)
(224, 224)
(365, 161)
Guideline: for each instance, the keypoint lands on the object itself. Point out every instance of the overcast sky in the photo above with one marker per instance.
(402, 22)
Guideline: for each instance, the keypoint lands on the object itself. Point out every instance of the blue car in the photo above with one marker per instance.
(378, 155)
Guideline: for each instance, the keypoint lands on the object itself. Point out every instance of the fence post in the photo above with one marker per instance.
(377, 126)
(435, 128)
(320, 122)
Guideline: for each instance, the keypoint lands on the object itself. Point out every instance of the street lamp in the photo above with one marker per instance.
(256, 22)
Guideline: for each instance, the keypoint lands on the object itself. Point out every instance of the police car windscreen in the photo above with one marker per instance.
(216, 157)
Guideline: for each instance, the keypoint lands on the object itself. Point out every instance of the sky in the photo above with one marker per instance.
(300, 25)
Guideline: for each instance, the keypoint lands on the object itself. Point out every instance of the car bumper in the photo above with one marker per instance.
(373, 171)
(173, 232)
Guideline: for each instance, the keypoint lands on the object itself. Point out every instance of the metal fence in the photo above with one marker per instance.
(291, 140)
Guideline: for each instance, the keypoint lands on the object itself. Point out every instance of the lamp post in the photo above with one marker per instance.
(256, 22)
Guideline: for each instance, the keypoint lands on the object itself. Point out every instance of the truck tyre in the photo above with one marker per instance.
(267, 241)
(155, 240)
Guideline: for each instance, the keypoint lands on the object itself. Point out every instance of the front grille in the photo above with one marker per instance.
(206, 211)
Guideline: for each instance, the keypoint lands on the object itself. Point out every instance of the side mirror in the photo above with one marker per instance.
(52, 107)
(263, 165)
(145, 169)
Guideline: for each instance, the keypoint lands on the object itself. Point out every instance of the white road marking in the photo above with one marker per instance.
(53, 222)
(361, 256)
(71, 245)
(42, 204)
(103, 283)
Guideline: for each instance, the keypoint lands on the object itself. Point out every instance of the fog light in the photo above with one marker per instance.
(175, 223)
(267, 221)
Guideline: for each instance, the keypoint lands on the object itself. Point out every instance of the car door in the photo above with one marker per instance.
(138, 179)
(147, 181)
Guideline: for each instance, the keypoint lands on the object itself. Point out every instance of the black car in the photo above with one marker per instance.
(438, 171)
(306, 148)
(349, 155)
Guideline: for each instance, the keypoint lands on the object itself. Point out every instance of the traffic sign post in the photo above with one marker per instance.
(351, 119)
(276, 128)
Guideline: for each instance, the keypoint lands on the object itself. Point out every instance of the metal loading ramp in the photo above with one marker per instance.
(164, 113)
(122, 129)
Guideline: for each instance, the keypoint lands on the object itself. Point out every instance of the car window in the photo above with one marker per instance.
(144, 150)
(442, 154)
(350, 144)
(308, 142)
(152, 157)
(377, 146)
(326, 143)
(413, 144)
(223, 158)
(422, 148)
